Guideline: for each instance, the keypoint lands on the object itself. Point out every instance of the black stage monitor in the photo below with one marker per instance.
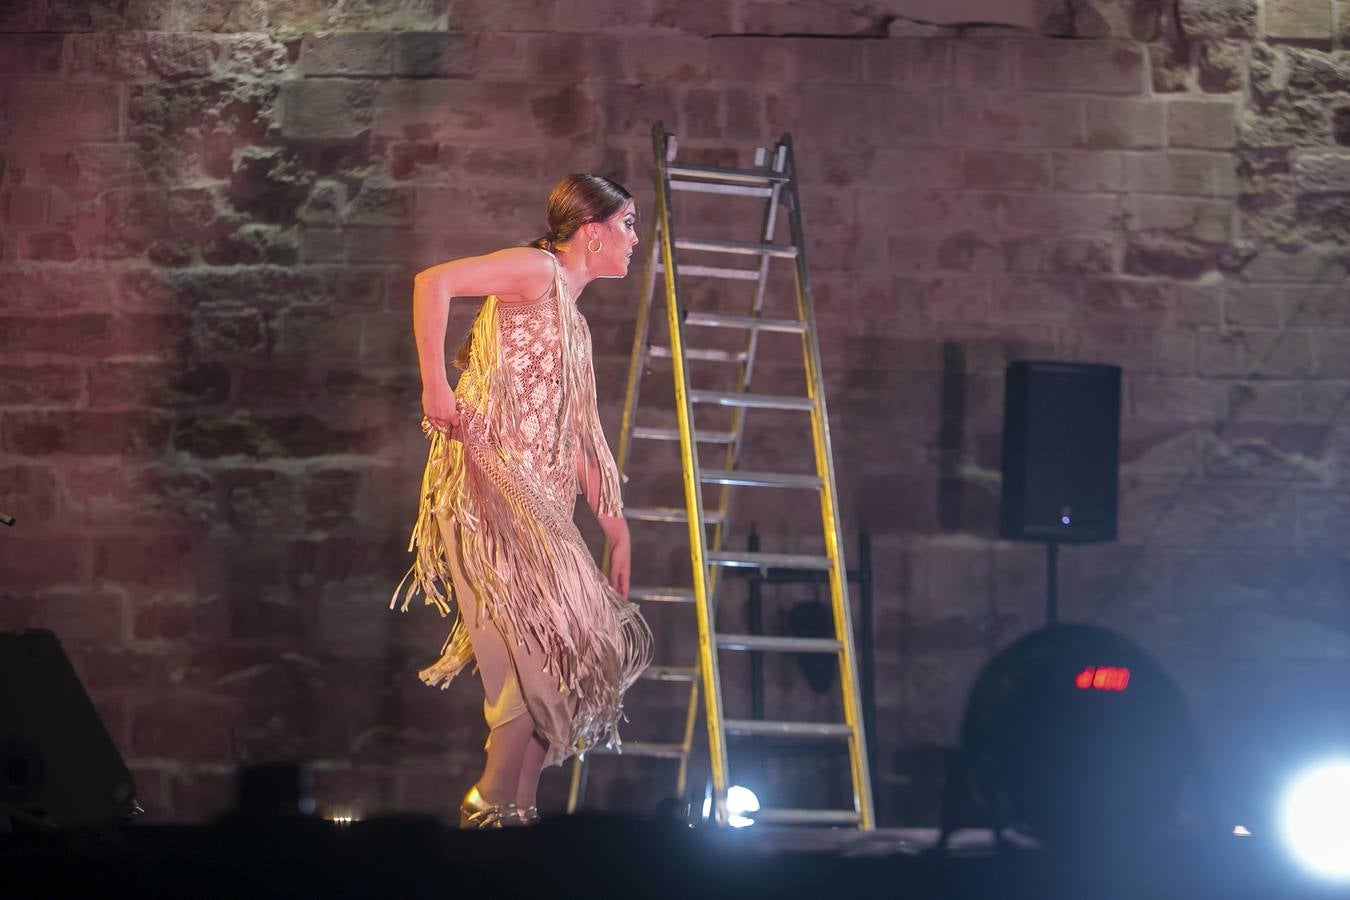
(1061, 450)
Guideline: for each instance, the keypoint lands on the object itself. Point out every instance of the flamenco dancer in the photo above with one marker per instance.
(555, 643)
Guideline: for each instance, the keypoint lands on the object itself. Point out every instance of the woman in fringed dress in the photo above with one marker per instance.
(555, 643)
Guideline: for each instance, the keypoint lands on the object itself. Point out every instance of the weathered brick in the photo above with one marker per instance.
(1079, 66)
(118, 495)
(1323, 172)
(1205, 220)
(1255, 353)
(1220, 68)
(89, 334)
(1202, 124)
(1174, 399)
(1298, 20)
(1114, 123)
(53, 112)
(1082, 170)
(1195, 173)
(84, 433)
(26, 206)
(1217, 18)
(27, 55)
(1259, 306)
(189, 728)
(347, 53)
(1033, 120)
(53, 559)
(141, 55)
(30, 495)
(992, 170)
(926, 63)
(336, 108)
(115, 385)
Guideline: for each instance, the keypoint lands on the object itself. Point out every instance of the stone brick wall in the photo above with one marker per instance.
(208, 398)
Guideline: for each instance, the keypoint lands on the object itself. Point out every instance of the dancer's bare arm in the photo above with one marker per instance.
(614, 527)
(515, 275)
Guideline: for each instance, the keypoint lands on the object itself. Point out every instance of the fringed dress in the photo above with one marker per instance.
(495, 522)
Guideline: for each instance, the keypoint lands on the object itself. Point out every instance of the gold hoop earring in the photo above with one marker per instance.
(598, 246)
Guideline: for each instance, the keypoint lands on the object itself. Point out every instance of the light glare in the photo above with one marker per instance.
(1315, 819)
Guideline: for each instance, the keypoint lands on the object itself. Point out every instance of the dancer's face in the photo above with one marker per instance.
(618, 237)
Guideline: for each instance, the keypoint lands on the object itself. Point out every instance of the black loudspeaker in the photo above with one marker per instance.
(1061, 451)
(58, 765)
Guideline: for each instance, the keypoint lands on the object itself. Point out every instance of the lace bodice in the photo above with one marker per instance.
(532, 352)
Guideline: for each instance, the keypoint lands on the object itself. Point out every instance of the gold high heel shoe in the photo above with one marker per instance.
(476, 812)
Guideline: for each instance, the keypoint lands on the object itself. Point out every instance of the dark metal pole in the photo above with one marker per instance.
(1051, 583)
(755, 611)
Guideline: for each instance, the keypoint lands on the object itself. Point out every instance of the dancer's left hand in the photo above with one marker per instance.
(620, 565)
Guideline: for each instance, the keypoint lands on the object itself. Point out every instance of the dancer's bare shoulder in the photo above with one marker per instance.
(515, 275)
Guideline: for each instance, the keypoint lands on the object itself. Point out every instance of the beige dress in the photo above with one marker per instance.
(495, 538)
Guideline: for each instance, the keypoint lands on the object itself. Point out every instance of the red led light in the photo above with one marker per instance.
(1102, 678)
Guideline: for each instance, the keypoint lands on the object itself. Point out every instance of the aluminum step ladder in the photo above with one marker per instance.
(772, 180)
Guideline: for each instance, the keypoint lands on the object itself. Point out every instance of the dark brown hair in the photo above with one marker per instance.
(575, 201)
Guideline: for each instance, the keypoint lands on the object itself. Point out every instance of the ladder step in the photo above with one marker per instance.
(715, 272)
(727, 173)
(760, 479)
(713, 187)
(744, 248)
(661, 594)
(761, 728)
(670, 673)
(778, 644)
(804, 817)
(673, 434)
(729, 356)
(718, 320)
(641, 748)
(752, 401)
(667, 514)
(743, 560)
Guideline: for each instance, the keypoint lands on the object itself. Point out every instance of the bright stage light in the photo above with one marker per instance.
(1315, 819)
(740, 801)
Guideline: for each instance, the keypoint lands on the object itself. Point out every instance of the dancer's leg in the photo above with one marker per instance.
(508, 746)
(531, 764)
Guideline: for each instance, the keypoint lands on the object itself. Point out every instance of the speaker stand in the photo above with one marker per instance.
(1051, 582)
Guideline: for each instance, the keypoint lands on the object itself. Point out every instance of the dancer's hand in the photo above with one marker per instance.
(620, 557)
(438, 406)
(620, 565)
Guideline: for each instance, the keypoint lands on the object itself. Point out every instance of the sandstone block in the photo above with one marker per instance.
(1004, 171)
(84, 433)
(30, 494)
(1201, 124)
(114, 385)
(1090, 171)
(1195, 173)
(1205, 220)
(40, 385)
(927, 63)
(142, 56)
(1125, 124)
(29, 55)
(1166, 255)
(1298, 20)
(1217, 18)
(1220, 67)
(327, 108)
(347, 53)
(1079, 67)
(1323, 172)
(433, 54)
(1255, 353)
(1169, 67)
(1026, 120)
(51, 112)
